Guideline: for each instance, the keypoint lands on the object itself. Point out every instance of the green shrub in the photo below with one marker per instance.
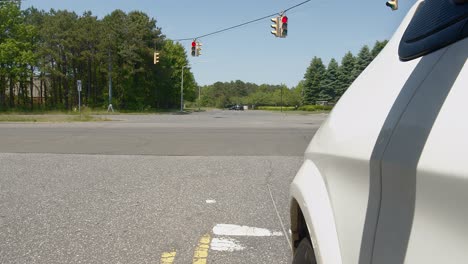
(276, 108)
(310, 108)
(315, 108)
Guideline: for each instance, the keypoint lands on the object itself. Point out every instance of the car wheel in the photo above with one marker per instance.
(304, 253)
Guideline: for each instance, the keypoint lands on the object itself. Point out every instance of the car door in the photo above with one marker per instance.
(423, 167)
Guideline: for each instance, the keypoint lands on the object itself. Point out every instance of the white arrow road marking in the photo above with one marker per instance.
(237, 230)
(225, 244)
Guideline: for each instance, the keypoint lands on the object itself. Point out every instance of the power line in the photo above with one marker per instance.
(296, 5)
(243, 24)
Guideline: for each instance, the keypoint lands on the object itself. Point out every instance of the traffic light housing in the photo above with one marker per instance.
(198, 49)
(276, 26)
(283, 26)
(393, 4)
(194, 48)
(156, 58)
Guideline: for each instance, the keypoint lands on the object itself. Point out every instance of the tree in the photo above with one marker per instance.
(330, 82)
(60, 51)
(281, 96)
(88, 38)
(313, 78)
(345, 73)
(17, 42)
(297, 94)
(173, 58)
(378, 47)
(364, 58)
(63, 47)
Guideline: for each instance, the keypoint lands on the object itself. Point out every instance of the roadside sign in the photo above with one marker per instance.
(78, 84)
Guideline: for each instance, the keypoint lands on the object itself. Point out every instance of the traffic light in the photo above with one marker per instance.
(276, 26)
(284, 26)
(156, 57)
(393, 4)
(194, 48)
(198, 50)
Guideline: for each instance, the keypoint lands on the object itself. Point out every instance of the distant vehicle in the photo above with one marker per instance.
(237, 108)
(385, 180)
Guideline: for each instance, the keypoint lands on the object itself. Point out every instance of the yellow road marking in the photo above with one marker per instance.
(201, 251)
(168, 257)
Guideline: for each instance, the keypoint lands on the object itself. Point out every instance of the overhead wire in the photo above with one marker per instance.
(292, 7)
(243, 24)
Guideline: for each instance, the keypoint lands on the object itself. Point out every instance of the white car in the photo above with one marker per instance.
(385, 178)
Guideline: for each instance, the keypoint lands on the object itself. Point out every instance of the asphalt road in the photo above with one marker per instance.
(214, 133)
(151, 188)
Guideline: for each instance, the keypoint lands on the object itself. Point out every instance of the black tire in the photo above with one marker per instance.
(304, 253)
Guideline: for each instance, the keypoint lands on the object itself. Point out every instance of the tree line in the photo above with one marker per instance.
(328, 83)
(43, 54)
(320, 83)
(224, 94)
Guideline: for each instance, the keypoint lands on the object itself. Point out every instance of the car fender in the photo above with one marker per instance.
(309, 193)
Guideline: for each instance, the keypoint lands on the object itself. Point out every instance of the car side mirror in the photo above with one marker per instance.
(436, 24)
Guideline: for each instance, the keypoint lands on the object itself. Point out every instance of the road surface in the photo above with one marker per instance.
(207, 187)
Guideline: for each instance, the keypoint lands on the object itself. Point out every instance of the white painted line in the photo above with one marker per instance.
(225, 244)
(210, 201)
(237, 230)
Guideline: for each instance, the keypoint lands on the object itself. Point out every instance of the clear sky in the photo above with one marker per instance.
(323, 28)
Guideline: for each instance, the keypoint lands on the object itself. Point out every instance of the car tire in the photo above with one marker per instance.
(304, 253)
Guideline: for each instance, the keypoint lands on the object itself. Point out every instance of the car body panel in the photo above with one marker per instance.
(324, 239)
(372, 159)
(423, 174)
(344, 144)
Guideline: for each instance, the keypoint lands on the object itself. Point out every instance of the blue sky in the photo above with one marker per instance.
(323, 28)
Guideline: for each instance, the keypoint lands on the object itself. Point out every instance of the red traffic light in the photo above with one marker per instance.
(194, 43)
(284, 19)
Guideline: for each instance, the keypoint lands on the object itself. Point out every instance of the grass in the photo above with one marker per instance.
(304, 108)
(88, 114)
(315, 108)
(87, 111)
(147, 112)
(53, 118)
(276, 108)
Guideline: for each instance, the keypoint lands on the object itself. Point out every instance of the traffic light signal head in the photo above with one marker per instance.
(284, 26)
(156, 57)
(276, 26)
(198, 49)
(393, 4)
(194, 48)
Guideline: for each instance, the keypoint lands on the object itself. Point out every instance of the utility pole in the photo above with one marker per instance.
(182, 89)
(198, 98)
(281, 98)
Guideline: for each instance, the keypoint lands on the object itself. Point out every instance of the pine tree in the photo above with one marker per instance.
(364, 58)
(378, 47)
(346, 73)
(330, 82)
(313, 77)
